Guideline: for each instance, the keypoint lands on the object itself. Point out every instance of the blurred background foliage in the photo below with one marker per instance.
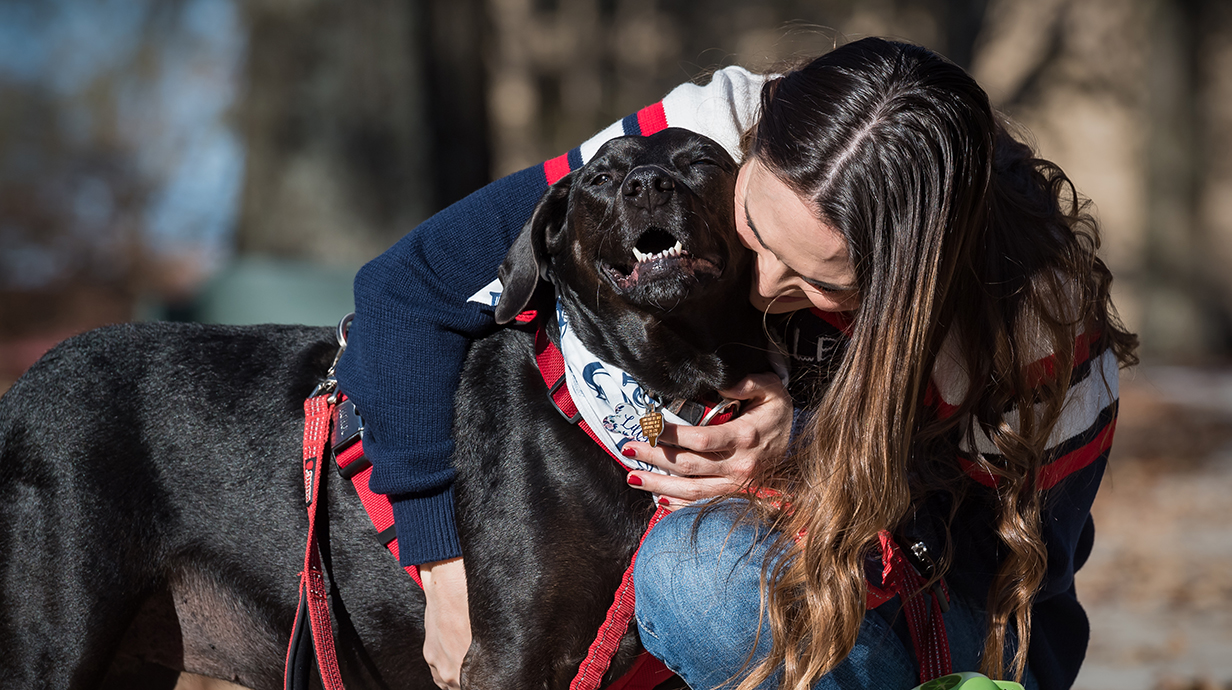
(237, 160)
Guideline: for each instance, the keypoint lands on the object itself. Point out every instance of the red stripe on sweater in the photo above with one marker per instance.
(1045, 369)
(1037, 372)
(556, 168)
(652, 119)
(1051, 474)
(932, 398)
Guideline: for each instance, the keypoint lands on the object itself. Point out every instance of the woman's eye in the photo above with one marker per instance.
(600, 179)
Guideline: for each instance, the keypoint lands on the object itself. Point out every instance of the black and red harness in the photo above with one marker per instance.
(922, 608)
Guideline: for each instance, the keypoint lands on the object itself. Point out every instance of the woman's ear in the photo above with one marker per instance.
(527, 261)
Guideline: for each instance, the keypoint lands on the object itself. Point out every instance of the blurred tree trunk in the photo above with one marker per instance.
(1187, 313)
(1213, 198)
(455, 34)
(1172, 319)
(336, 127)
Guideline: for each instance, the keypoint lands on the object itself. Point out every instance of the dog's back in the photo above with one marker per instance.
(154, 515)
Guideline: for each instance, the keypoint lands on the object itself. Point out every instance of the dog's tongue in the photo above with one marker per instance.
(663, 265)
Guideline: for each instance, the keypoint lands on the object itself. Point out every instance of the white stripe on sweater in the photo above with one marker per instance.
(722, 110)
(1083, 403)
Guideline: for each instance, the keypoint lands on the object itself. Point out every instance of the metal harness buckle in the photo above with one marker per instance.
(330, 383)
(577, 415)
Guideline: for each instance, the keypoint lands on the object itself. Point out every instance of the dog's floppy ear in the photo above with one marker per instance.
(527, 261)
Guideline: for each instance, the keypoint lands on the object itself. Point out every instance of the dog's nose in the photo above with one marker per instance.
(648, 187)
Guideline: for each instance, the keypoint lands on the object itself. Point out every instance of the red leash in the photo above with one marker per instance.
(648, 671)
(313, 595)
(599, 656)
(921, 608)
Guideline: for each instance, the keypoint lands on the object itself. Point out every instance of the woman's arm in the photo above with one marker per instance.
(404, 355)
(413, 324)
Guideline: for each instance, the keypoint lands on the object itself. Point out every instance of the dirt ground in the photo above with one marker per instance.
(1158, 586)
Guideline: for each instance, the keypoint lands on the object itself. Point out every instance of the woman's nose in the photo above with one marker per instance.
(771, 273)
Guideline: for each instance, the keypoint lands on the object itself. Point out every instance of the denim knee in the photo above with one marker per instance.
(698, 595)
(699, 609)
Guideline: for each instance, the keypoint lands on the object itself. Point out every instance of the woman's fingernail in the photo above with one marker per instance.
(635, 480)
(628, 452)
(664, 502)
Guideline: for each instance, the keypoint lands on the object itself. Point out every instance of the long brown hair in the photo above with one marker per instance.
(958, 235)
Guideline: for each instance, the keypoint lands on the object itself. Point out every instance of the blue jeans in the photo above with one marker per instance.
(698, 603)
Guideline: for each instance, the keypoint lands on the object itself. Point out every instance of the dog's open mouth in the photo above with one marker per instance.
(658, 254)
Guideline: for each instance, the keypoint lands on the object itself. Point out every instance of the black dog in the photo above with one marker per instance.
(542, 571)
(153, 515)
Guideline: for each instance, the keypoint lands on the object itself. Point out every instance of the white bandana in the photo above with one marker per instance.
(610, 400)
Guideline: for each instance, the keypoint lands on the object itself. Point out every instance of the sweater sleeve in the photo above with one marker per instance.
(413, 324)
(406, 345)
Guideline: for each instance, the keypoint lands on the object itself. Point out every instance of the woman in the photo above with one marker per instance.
(955, 355)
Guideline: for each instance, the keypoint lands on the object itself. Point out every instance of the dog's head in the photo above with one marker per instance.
(641, 248)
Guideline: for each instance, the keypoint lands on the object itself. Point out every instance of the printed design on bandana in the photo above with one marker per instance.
(588, 375)
(608, 398)
(624, 421)
(488, 295)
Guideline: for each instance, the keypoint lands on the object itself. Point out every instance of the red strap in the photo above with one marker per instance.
(921, 608)
(599, 656)
(647, 671)
(317, 414)
(552, 368)
(380, 511)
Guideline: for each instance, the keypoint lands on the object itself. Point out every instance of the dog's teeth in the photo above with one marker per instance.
(676, 250)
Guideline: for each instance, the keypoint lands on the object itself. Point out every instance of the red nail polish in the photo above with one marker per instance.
(664, 502)
(635, 480)
(628, 452)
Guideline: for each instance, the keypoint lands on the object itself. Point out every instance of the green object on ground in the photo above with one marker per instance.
(968, 680)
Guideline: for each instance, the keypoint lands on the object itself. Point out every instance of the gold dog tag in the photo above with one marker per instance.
(652, 425)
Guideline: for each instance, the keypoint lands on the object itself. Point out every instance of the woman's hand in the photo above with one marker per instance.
(447, 623)
(715, 460)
